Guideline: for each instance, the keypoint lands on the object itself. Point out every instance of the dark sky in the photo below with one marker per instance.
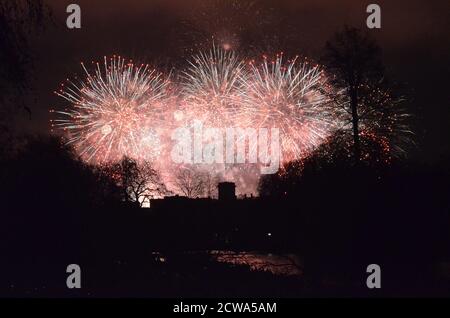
(414, 38)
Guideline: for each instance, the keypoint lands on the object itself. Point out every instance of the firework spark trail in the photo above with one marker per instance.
(115, 111)
(211, 88)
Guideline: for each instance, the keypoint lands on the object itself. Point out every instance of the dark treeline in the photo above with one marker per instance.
(56, 210)
(48, 197)
(396, 216)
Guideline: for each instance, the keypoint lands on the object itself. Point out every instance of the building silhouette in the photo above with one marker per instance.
(227, 191)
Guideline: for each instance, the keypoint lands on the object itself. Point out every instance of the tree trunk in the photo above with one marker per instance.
(355, 123)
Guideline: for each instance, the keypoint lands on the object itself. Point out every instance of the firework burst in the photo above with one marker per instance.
(384, 123)
(115, 111)
(120, 109)
(211, 87)
(292, 97)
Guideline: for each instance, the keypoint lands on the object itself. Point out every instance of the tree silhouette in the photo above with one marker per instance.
(193, 183)
(211, 183)
(19, 20)
(355, 60)
(138, 181)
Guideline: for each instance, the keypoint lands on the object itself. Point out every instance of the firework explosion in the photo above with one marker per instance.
(293, 97)
(115, 111)
(125, 110)
(211, 88)
(384, 122)
(230, 24)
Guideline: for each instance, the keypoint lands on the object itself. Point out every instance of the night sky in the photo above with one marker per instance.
(414, 38)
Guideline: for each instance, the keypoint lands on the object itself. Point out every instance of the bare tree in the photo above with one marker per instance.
(138, 181)
(355, 60)
(211, 183)
(193, 183)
